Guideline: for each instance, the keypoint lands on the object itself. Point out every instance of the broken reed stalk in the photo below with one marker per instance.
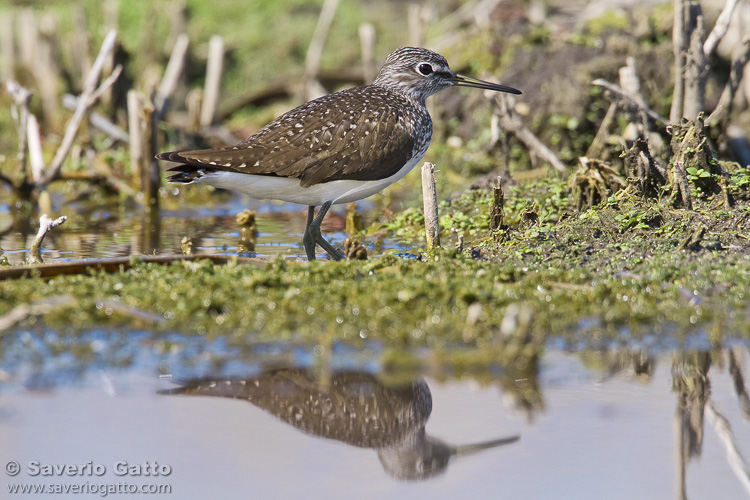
(46, 70)
(111, 10)
(735, 371)
(631, 99)
(36, 158)
(498, 201)
(178, 19)
(36, 161)
(20, 111)
(415, 20)
(28, 34)
(144, 144)
(311, 87)
(511, 122)
(683, 185)
(630, 82)
(136, 136)
(720, 28)
(213, 80)
(79, 46)
(595, 148)
(429, 196)
(367, 43)
(739, 61)
(172, 75)
(696, 70)
(87, 99)
(679, 47)
(723, 430)
(98, 121)
(150, 173)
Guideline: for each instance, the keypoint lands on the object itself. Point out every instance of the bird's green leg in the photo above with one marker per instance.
(313, 235)
(308, 239)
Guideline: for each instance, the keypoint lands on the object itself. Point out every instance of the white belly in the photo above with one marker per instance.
(267, 187)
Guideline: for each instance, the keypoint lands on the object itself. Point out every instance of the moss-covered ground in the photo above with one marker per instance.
(627, 266)
(625, 272)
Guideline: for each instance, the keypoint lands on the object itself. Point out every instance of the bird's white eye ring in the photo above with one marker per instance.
(424, 69)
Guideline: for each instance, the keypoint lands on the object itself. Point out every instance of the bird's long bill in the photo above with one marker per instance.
(467, 81)
(470, 449)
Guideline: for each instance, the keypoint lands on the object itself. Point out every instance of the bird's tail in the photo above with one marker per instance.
(186, 174)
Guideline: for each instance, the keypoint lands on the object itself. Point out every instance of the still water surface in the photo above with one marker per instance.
(106, 231)
(280, 421)
(230, 424)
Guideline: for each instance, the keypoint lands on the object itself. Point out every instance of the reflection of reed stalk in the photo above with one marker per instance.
(734, 457)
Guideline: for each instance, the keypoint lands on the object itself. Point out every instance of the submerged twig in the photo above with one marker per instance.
(45, 226)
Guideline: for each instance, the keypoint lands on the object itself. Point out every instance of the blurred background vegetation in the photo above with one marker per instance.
(551, 51)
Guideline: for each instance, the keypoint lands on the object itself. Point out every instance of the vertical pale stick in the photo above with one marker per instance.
(367, 41)
(429, 196)
(172, 74)
(136, 136)
(679, 46)
(213, 80)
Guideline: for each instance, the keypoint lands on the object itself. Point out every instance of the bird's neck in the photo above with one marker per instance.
(409, 93)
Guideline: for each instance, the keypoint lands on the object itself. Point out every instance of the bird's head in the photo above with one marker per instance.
(419, 73)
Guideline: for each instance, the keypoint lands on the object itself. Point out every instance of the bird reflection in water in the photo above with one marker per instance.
(352, 407)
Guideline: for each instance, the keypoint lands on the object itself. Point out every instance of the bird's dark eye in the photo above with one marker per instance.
(425, 69)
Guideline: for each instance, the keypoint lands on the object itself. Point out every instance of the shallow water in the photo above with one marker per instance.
(228, 418)
(282, 421)
(106, 231)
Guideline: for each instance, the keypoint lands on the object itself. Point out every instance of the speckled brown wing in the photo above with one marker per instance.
(362, 133)
(354, 407)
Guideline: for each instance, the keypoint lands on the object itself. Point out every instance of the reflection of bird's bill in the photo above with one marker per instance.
(471, 449)
(467, 81)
